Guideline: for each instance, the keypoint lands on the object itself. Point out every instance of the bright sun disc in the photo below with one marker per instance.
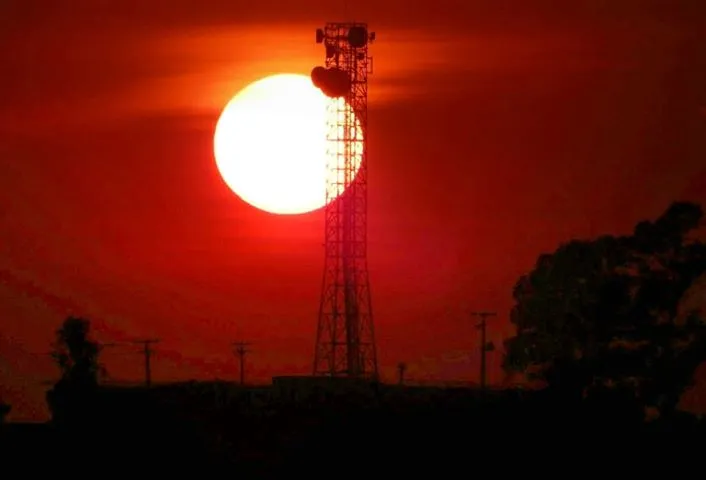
(270, 144)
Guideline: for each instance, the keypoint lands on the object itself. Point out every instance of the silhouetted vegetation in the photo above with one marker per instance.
(261, 433)
(600, 318)
(76, 355)
(599, 321)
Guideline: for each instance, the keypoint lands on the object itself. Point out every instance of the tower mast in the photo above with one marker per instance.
(345, 341)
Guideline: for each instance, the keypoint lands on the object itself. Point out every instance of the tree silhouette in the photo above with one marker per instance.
(76, 354)
(604, 313)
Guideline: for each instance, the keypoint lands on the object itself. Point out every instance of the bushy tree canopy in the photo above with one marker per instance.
(76, 354)
(605, 312)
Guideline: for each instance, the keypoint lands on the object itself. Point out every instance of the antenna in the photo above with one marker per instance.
(345, 338)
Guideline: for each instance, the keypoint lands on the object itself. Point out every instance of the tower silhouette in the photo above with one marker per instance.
(345, 340)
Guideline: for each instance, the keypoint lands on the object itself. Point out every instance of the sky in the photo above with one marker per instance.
(497, 130)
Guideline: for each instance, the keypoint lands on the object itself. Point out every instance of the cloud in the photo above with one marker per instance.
(98, 62)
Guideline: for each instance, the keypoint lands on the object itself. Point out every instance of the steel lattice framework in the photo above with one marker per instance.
(345, 341)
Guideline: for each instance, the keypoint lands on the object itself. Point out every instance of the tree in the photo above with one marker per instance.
(604, 313)
(76, 354)
(72, 399)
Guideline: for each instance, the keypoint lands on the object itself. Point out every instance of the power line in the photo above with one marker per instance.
(483, 343)
(54, 354)
(241, 350)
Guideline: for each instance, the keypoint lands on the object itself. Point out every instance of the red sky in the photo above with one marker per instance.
(497, 130)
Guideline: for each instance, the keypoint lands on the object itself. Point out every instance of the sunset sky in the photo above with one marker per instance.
(497, 130)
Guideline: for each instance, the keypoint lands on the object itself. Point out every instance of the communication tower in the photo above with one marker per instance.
(345, 340)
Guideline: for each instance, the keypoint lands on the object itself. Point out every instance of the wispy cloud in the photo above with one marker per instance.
(102, 62)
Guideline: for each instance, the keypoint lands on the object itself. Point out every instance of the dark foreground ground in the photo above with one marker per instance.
(395, 433)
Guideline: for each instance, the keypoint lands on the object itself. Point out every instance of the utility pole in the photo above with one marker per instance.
(240, 350)
(147, 352)
(401, 368)
(483, 343)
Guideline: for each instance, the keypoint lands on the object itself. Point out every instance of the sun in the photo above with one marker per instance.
(270, 144)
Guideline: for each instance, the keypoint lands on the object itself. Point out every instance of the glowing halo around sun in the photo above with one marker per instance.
(270, 144)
